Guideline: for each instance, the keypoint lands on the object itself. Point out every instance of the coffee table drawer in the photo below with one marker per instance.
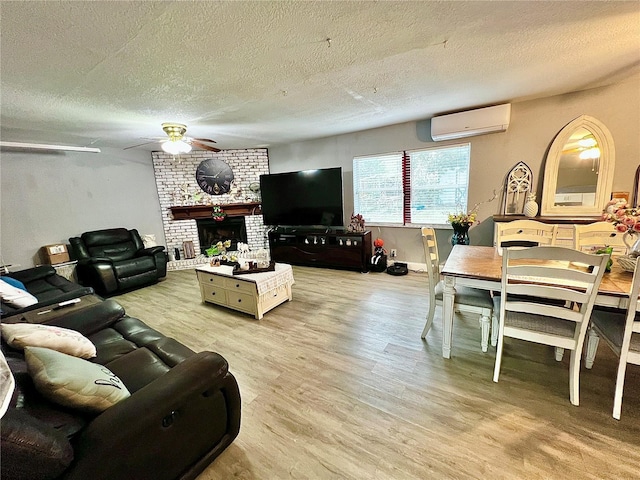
(208, 279)
(213, 293)
(274, 297)
(232, 284)
(241, 301)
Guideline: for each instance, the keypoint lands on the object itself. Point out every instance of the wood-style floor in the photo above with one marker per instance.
(337, 384)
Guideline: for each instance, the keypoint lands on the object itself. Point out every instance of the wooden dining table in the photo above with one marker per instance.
(481, 267)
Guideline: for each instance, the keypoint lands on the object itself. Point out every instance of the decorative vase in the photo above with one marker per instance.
(460, 234)
(632, 241)
(531, 206)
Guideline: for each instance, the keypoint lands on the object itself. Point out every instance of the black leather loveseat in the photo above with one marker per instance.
(115, 260)
(47, 286)
(184, 409)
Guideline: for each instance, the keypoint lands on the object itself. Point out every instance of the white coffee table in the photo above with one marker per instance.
(254, 293)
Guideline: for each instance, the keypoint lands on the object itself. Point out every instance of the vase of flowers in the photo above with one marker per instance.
(626, 220)
(460, 222)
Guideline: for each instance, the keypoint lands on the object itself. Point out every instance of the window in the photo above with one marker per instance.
(418, 186)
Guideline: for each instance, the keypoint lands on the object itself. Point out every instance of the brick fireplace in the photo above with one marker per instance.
(183, 203)
(212, 231)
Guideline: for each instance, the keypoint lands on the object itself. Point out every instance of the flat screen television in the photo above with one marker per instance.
(307, 198)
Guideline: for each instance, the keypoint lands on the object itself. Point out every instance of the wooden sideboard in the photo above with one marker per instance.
(334, 248)
(565, 225)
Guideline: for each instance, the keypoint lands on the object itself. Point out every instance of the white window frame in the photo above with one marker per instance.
(388, 181)
(408, 174)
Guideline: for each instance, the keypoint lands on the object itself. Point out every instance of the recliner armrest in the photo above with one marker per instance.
(181, 411)
(150, 251)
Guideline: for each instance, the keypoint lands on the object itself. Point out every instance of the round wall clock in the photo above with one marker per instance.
(214, 176)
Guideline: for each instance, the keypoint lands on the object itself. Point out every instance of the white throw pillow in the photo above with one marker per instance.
(149, 241)
(16, 297)
(74, 382)
(21, 335)
(7, 385)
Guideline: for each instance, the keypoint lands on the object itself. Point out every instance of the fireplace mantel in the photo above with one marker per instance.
(192, 212)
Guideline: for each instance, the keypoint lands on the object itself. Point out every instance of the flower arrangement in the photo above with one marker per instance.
(217, 214)
(356, 224)
(625, 218)
(461, 218)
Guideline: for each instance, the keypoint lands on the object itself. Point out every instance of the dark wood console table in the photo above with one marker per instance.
(335, 248)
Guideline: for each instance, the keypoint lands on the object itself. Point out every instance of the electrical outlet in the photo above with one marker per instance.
(393, 253)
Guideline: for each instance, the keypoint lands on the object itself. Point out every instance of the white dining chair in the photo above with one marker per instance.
(468, 300)
(621, 331)
(591, 237)
(526, 233)
(523, 233)
(549, 299)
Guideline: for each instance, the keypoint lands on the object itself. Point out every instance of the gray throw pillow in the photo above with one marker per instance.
(74, 382)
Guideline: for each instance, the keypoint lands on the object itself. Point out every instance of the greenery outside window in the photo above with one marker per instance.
(412, 187)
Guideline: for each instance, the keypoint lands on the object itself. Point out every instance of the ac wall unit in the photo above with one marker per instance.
(471, 122)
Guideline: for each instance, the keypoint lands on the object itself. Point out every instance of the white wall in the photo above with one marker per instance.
(48, 197)
(533, 126)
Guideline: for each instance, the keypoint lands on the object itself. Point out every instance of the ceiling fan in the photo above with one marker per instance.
(178, 143)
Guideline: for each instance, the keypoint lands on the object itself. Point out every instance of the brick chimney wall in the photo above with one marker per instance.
(177, 186)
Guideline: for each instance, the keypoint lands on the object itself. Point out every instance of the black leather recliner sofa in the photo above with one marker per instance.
(47, 286)
(184, 409)
(115, 260)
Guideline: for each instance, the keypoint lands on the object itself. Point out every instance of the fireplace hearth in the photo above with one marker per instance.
(211, 231)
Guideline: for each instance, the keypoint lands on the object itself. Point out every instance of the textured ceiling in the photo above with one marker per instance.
(259, 73)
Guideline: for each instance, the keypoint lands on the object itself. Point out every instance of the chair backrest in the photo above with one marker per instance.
(430, 244)
(525, 233)
(551, 273)
(114, 243)
(632, 321)
(588, 238)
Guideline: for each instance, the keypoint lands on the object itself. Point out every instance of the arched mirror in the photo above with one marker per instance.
(578, 174)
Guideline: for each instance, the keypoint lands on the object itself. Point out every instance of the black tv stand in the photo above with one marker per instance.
(321, 247)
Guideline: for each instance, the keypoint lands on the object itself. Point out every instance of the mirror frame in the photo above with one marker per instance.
(605, 171)
(635, 195)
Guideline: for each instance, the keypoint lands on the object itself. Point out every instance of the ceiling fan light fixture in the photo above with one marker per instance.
(176, 147)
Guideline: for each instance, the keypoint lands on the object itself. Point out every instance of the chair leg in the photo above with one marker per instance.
(485, 324)
(574, 377)
(430, 315)
(494, 330)
(496, 369)
(559, 354)
(617, 399)
(592, 347)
